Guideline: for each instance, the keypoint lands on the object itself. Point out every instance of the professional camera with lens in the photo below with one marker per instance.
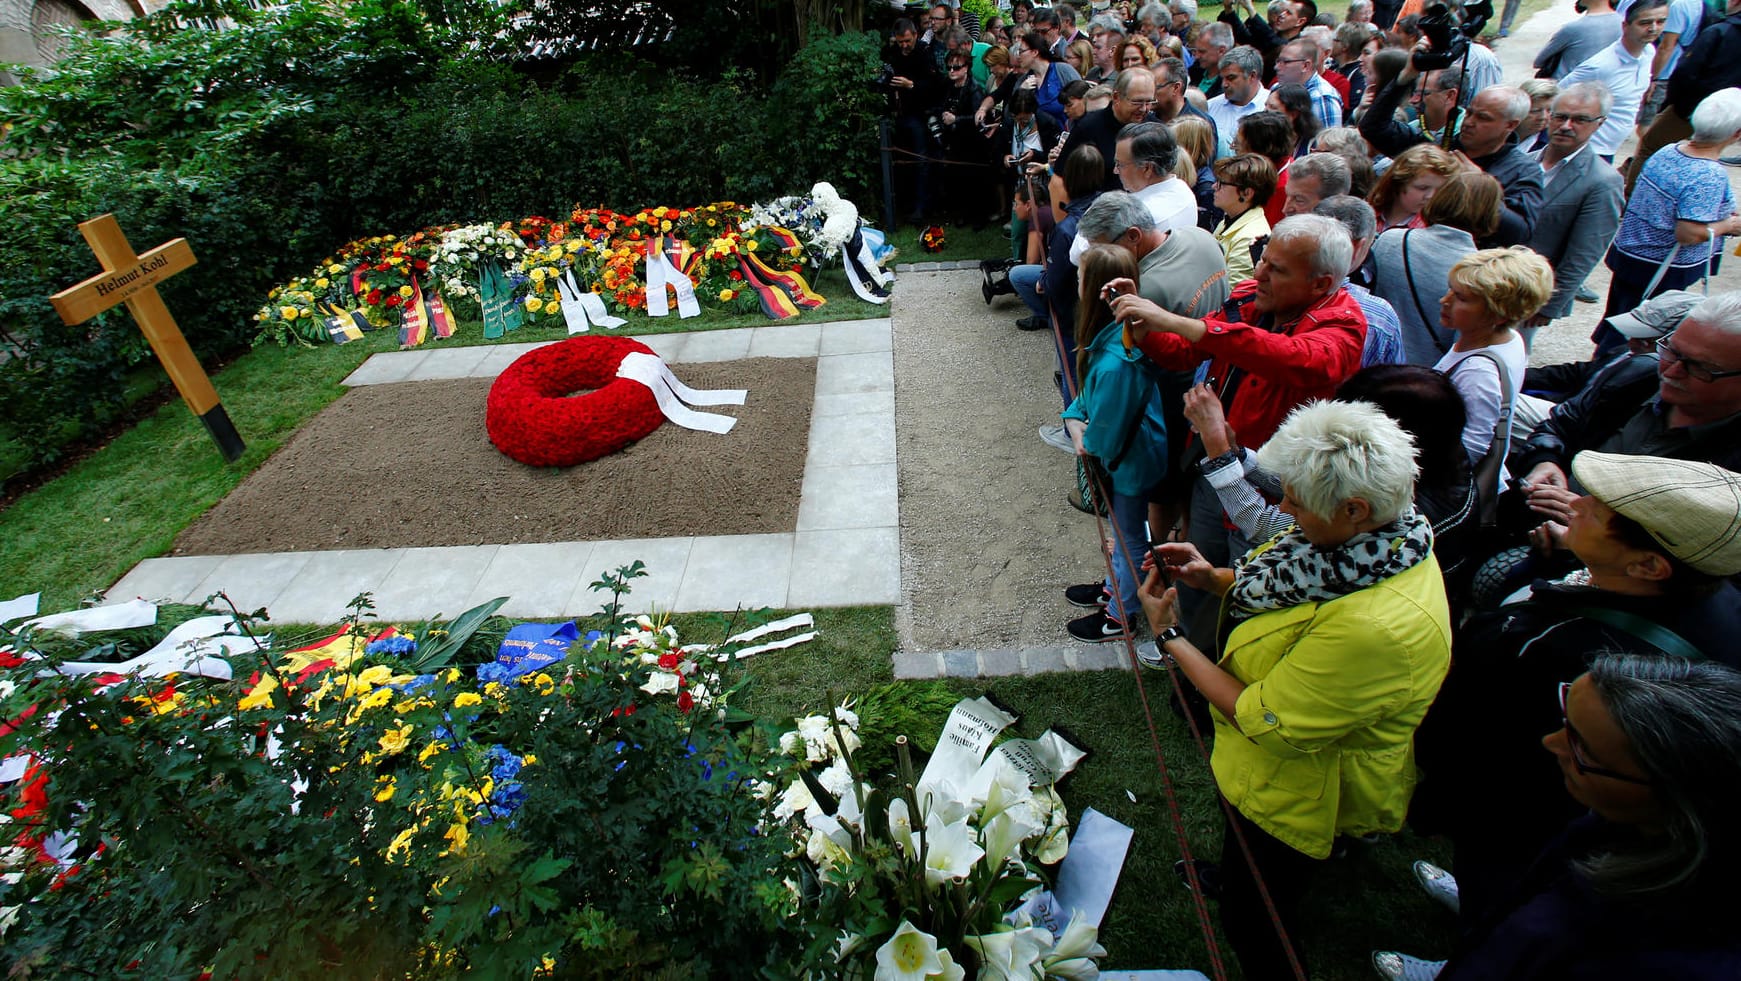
(882, 81)
(1450, 40)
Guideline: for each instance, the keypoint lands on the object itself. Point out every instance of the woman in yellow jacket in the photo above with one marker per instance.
(1337, 635)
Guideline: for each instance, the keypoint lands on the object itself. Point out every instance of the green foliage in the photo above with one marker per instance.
(987, 10)
(583, 819)
(271, 142)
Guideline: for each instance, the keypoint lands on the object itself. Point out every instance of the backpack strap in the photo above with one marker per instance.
(1649, 631)
(1415, 295)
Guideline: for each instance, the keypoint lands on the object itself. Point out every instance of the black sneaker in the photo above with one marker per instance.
(1032, 323)
(1089, 595)
(1096, 628)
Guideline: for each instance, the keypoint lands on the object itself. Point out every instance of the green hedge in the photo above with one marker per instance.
(269, 144)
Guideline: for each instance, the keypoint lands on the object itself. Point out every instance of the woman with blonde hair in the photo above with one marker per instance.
(1080, 56)
(1135, 52)
(1116, 419)
(1412, 265)
(1196, 138)
(1488, 296)
(1532, 133)
(1404, 190)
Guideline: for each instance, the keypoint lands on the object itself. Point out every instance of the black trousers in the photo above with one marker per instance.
(1288, 873)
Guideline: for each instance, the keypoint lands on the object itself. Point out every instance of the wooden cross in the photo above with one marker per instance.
(132, 279)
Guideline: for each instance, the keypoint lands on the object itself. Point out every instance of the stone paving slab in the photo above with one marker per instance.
(844, 551)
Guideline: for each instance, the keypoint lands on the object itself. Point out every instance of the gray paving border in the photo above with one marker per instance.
(844, 550)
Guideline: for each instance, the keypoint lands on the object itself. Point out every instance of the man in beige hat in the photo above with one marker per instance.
(1694, 412)
(1656, 539)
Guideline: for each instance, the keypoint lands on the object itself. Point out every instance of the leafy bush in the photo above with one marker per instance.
(270, 143)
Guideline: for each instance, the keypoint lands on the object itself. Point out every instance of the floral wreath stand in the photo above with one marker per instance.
(533, 416)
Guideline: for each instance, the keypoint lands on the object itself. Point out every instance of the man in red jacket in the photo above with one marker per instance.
(1287, 337)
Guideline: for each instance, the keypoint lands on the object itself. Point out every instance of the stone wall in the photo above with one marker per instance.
(24, 39)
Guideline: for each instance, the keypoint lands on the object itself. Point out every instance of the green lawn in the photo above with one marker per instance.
(82, 531)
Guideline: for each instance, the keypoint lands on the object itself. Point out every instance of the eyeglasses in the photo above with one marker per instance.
(1563, 117)
(1291, 61)
(957, 68)
(1575, 743)
(1696, 370)
(1140, 103)
(1118, 165)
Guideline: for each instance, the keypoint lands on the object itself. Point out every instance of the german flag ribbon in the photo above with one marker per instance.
(790, 283)
(776, 303)
(343, 326)
(414, 327)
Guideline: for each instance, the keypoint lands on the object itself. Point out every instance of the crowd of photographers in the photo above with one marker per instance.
(1293, 266)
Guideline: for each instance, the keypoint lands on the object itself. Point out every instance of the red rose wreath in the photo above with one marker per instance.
(532, 418)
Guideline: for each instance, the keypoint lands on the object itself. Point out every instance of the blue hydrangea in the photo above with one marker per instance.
(391, 645)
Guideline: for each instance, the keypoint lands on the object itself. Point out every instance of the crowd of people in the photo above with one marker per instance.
(1293, 266)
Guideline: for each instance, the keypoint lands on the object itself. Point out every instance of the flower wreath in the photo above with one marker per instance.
(531, 417)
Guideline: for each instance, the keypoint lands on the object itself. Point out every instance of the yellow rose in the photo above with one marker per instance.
(467, 699)
(664, 226)
(538, 275)
(405, 291)
(660, 211)
(288, 313)
(533, 303)
(725, 295)
(396, 740)
(322, 283)
(335, 269)
(551, 306)
(751, 245)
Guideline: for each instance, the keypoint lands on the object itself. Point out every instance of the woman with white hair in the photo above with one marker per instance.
(1679, 211)
(1337, 635)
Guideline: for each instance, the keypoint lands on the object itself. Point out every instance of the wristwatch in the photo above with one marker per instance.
(1169, 634)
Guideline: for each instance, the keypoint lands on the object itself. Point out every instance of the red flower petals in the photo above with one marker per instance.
(531, 417)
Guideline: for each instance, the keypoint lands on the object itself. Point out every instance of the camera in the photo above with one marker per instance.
(1450, 40)
(883, 78)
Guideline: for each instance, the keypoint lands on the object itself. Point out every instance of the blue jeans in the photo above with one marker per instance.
(1025, 279)
(1130, 517)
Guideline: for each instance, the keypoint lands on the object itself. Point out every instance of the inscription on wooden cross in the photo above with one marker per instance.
(132, 279)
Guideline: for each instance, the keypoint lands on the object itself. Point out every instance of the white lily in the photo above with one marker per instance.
(951, 970)
(836, 779)
(660, 683)
(1008, 788)
(1004, 834)
(950, 851)
(910, 955)
(1074, 956)
(1010, 954)
(901, 826)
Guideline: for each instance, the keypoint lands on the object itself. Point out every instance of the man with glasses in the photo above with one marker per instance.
(1694, 414)
(1485, 139)
(1582, 197)
(1624, 67)
(1133, 98)
(938, 24)
(1142, 162)
(1298, 63)
(1652, 542)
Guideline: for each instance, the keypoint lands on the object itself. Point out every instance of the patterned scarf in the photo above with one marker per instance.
(1294, 571)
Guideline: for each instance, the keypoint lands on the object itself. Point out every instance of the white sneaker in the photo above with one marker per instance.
(1393, 966)
(1053, 434)
(1439, 884)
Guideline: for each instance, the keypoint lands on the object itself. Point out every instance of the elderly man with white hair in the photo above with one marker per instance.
(1288, 335)
(1487, 142)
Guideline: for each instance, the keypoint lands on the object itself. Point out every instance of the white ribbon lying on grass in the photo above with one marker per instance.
(800, 620)
(651, 371)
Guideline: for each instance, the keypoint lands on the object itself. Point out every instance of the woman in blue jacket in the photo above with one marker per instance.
(1115, 418)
